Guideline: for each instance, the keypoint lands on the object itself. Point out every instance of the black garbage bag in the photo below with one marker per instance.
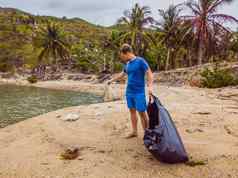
(162, 138)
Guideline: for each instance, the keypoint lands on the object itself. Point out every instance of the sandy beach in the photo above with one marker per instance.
(206, 120)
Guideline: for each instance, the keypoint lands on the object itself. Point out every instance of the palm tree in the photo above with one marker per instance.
(53, 43)
(168, 30)
(234, 45)
(135, 22)
(113, 43)
(205, 21)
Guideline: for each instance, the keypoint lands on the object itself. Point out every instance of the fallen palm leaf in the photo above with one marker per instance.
(193, 163)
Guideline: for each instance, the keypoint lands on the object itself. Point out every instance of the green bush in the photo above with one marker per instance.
(217, 78)
(85, 66)
(32, 79)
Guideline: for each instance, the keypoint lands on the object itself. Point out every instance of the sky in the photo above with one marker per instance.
(100, 12)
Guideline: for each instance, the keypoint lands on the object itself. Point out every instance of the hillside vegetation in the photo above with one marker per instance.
(19, 31)
(177, 40)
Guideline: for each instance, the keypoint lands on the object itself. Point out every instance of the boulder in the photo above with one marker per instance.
(70, 117)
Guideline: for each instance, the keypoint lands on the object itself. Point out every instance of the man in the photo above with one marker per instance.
(136, 69)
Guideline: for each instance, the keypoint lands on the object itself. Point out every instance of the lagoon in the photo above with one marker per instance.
(18, 103)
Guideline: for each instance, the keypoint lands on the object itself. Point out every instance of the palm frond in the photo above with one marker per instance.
(224, 18)
(218, 3)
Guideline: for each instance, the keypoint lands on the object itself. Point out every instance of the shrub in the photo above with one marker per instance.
(85, 66)
(32, 79)
(217, 78)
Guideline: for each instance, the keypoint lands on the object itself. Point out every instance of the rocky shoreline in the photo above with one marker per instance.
(178, 77)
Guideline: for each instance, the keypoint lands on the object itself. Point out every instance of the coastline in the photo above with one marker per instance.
(59, 85)
(70, 85)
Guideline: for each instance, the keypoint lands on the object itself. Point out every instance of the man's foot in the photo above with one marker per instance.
(131, 135)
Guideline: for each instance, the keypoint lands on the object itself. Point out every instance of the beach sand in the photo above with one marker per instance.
(207, 121)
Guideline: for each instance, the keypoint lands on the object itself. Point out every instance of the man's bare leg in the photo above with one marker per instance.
(134, 124)
(144, 120)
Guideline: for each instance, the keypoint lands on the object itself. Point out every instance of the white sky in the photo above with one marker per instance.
(103, 12)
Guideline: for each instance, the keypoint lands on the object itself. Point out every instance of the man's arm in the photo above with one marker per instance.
(150, 81)
(118, 77)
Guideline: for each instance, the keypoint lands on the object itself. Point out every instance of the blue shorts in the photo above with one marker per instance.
(136, 101)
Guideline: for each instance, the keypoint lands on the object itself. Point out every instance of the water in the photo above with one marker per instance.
(18, 103)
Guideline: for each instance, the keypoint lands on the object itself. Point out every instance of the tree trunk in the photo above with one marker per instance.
(173, 60)
(200, 52)
(211, 60)
(104, 63)
(113, 62)
(189, 59)
(158, 68)
(168, 59)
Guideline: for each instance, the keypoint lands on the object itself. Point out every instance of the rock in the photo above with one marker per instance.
(56, 77)
(99, 114)
(93, 78)
(70, 77)
(6, 75)
(103, 78)
(71, 117)
(78, 77)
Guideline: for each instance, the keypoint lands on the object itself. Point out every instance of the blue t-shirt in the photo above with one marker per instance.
(136, 70)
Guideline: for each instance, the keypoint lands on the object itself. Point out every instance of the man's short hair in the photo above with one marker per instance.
(126, 48)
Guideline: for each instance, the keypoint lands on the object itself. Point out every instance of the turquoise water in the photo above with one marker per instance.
(18, 103)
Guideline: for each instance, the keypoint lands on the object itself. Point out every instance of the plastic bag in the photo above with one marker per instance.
(162, 138)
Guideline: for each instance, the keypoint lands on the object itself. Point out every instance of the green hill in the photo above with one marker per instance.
(76, 26)
(18, 29)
